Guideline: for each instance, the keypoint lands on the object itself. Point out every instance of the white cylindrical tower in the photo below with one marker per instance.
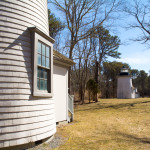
(24, 117)
(124, 86)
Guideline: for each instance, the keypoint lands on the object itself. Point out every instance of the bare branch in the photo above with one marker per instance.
(141, 13)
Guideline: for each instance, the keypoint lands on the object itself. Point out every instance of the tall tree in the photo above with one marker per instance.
(92, 88)
(80, 72)
(134, 73)
(82, 16)
(55, 25)
(141, 83)
(148, 86)
(104, 45)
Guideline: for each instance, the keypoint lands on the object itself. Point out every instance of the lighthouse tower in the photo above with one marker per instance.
(27, 115)
(125, 88)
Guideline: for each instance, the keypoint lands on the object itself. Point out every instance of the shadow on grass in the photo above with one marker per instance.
(117, 106)
(134, 138)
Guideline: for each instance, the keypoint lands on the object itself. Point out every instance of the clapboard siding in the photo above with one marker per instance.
(25, 134)
(15, 91)
(14, 97)
(23, 118)
(14, 57)
(7, 28)
(14, 46)
(15, 41)
(15, 74)
(17, 52)
(21, 141)
(11, 26)
(24, 115)
(27, 127)
(25, 108)
(7, 34)
(14, 63)
(23, 9)
(25, 103)
(23, 14)
(23, 121)
(33, 12)
(15, 85)
(15, 68)
(21, 19)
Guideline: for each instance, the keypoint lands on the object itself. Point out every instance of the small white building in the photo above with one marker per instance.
(33, 77)
(125, 89)
(63, 101)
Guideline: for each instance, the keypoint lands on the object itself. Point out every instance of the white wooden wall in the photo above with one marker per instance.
(125, 87)
(60, 87)
(23, 118)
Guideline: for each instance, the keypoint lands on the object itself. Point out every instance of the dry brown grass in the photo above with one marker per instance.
(110, 124)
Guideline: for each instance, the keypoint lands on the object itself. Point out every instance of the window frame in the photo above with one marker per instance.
(40, 36)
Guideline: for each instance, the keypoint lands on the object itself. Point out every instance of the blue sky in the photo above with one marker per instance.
(135, 54)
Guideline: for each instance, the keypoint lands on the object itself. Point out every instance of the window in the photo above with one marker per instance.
(42, 47)
(43, 67)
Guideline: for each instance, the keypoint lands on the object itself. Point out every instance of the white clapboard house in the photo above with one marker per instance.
(33, 77)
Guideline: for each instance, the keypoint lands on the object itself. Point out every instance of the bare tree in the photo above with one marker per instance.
(83, 53)
(140, 10)
(82, 16)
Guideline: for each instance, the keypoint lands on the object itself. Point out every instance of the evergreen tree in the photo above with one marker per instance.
(55, 25)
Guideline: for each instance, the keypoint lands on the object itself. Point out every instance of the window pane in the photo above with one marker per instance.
(41, 84)
(47, 51)
(38, 84)
(47, 62)
(39, 59)
(42, 73)
(45, 85)
(39, 47)
(38, 75)
(45, 74)
(43, 49)
(43, 61)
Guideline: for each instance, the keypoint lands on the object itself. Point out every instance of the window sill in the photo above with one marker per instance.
(42, 94)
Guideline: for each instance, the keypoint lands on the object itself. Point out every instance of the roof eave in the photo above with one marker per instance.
(35, 29)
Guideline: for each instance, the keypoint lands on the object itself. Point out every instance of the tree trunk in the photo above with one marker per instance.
(69, 71)
(69, 80)
(89, 96)
(96, 80)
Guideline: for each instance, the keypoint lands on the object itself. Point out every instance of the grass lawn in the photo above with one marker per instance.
(110, 124)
